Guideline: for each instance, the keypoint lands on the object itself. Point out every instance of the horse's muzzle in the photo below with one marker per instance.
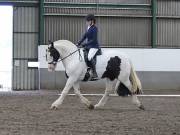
(51, 67)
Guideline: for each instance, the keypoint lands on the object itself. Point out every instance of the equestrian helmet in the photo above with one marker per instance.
(90, 17)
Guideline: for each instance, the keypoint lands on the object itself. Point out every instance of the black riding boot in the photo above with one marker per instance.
(93, 67)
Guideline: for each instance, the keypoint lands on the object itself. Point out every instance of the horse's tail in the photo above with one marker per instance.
(136, 83)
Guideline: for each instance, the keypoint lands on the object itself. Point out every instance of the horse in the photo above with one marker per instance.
(116, 69)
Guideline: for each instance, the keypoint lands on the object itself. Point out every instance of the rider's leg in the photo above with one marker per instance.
(86, 51)
(92, 60)
(93, 67)
(92, 53)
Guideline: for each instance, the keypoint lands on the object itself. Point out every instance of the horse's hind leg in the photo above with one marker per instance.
(135, 99)
(65, 91)
(102, 102)
(82, 98)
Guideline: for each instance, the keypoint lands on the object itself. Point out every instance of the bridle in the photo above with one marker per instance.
(61, 59)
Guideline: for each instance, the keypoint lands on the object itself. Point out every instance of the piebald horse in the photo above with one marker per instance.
(112, 67)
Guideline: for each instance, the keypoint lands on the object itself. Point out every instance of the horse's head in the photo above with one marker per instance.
(52, 57)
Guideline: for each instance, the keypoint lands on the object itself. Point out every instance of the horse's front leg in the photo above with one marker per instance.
(108, 90)
(82, 98)
(65, 91)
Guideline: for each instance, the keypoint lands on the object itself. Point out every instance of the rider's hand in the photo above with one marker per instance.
(78, 45)
(83, 45)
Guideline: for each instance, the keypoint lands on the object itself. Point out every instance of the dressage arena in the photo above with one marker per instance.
(146, 31)
(28, 113)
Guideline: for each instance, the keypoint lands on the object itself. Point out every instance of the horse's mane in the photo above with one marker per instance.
(65, 44)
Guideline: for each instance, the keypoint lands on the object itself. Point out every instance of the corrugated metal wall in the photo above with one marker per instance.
(25, 47)
(130, 24)
(104, 1)
(124, 32)
(168, 25)
(30, 1)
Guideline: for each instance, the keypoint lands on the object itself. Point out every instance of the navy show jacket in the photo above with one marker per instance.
(92, 38)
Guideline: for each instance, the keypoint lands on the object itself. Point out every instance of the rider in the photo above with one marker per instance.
(92, 45)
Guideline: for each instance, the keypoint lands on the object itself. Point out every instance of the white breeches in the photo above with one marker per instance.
(91, 53)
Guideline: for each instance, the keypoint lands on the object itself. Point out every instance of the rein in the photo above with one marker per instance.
(80, 57)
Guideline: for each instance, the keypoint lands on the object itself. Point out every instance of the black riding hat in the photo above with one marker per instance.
(90, 17)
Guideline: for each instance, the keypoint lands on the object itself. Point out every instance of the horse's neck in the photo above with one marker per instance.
(65, 55)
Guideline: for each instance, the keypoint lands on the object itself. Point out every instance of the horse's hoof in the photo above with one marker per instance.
(96, 106)
(53, 107)
(141, 107)
(91, 107)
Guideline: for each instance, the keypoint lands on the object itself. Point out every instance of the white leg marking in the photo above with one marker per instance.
(136, 101)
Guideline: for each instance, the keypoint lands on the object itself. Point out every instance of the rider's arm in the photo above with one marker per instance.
(83, 38)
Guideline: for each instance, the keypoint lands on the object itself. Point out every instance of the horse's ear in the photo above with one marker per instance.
(52, 43)
(49, 41)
